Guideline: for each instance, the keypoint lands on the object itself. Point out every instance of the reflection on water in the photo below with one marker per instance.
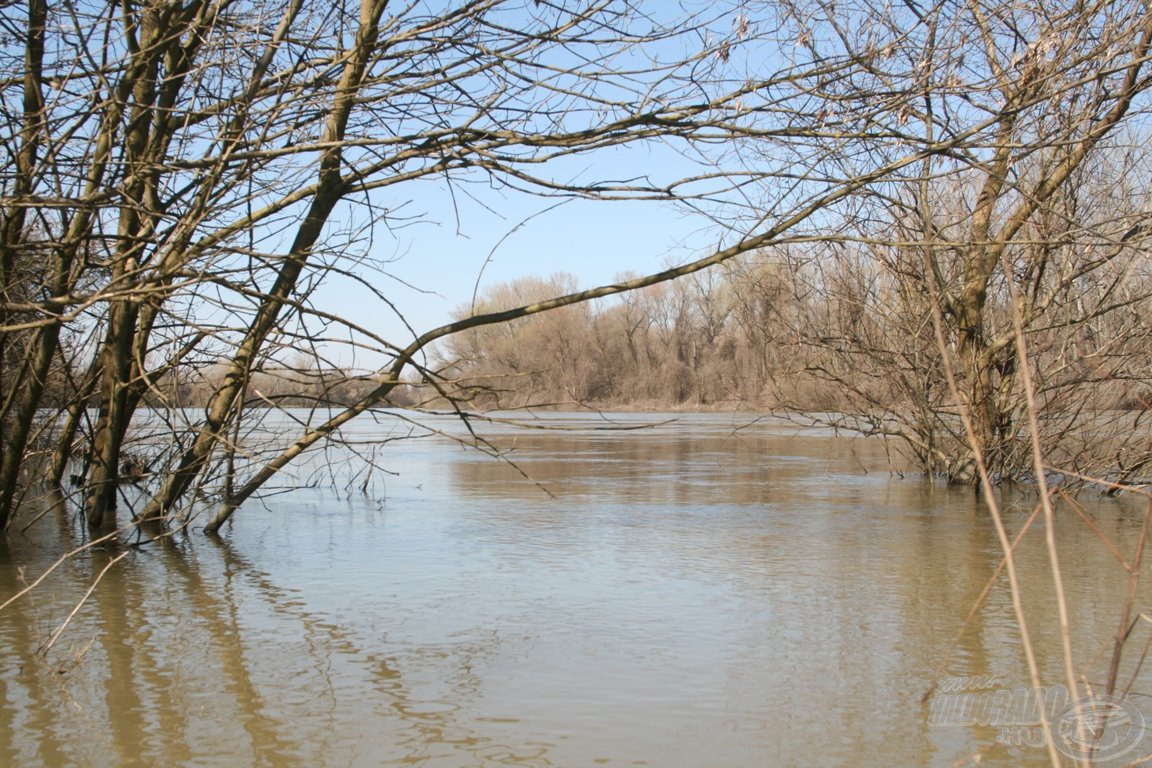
(705, 593)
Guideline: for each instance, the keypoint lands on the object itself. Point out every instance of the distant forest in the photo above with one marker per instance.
(777, 331)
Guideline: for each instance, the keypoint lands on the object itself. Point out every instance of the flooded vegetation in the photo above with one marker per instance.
(231, 239)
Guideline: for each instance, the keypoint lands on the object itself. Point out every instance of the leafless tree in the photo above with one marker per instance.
(180, 176)
(1050, 200)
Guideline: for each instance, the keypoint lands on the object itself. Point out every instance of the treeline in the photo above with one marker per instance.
(862, 336)
(763, 333)
(707, 340)
(303, 382)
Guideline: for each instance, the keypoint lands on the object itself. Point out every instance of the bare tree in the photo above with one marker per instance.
(1050, 201)
(182, 175)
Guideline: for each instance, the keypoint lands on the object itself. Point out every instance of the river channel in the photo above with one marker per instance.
(712, 591)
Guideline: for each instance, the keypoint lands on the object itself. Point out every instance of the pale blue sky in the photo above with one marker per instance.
(593, 240)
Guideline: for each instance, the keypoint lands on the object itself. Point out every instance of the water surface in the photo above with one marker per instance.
(713, 591)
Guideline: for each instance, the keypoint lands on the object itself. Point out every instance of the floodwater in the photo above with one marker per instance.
(712, 591)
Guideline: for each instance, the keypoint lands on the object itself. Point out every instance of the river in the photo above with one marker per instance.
(713, 590)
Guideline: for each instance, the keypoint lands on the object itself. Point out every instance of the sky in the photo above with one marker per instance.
(462, 246)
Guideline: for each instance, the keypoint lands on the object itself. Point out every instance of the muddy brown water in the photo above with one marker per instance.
(713, 591)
